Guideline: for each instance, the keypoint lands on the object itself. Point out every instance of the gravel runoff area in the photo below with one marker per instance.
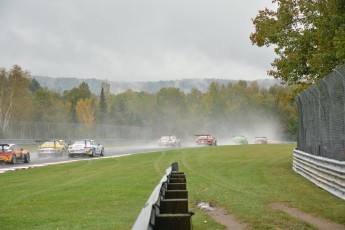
(220, 215)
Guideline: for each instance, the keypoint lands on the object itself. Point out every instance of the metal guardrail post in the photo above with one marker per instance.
(167, 206)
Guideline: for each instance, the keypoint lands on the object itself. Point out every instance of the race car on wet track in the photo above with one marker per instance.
(260, 140)
(205, 139)
(85, 148)
(169, 141)
(12, 153)
(240, 140)
(55, 148)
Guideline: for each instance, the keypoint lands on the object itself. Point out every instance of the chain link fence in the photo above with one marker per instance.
(321, 117)
(72, 131)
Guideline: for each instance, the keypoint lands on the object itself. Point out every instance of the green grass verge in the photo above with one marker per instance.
(110, 193)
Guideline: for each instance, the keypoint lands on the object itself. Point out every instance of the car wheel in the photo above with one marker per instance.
(102, 153)
(92, 153)
(27, 158)
(14, 159)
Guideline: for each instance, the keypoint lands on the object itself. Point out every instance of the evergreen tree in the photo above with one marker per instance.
(102, 106)
(34, 85)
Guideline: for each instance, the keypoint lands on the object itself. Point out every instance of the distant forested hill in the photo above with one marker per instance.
(61, 84)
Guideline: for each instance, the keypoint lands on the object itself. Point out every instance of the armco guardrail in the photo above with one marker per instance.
(326, 173)
(167, 206)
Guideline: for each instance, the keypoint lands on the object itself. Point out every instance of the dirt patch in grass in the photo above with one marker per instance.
(316, 221)
(220, 215)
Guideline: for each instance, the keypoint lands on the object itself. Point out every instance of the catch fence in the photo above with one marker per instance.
(320, 153)
(321, 117)
(70, 131)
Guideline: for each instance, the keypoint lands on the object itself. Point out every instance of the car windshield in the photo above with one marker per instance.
(165, 138)
(79, 143)
(48, 143)
(5, 149)
(202, 137)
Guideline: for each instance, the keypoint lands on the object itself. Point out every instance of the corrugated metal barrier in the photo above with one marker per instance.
(326, 173)
(320, 154)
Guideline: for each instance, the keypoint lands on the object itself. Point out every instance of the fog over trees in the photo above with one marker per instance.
(223, 110)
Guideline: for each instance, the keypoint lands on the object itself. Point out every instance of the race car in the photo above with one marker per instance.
(241, 140)
(86, 148)
(56, 148)
(260, 140)
(12, 153)
(169, 141)
(205, 139)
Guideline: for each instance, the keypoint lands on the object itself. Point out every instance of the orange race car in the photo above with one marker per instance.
(12, 153)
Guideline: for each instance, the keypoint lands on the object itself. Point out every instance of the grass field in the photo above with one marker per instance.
(110, 193)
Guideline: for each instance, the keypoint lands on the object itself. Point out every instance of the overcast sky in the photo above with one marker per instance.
(133, 40)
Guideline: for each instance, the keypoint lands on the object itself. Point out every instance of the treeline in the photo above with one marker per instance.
(223, 110)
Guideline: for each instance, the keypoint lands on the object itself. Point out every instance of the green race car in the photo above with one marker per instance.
(240, 140)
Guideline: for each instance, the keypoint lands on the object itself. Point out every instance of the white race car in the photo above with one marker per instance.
(86, 148)
(169, 141)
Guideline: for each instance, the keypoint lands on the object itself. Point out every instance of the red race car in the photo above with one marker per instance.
(12, 153)
(205, 139)
(260, 140)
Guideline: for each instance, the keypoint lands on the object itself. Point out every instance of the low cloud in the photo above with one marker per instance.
(133, 40)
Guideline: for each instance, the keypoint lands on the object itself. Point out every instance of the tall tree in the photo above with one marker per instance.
(102, 106)
(213, 102)
(13, 93)
(42, 105)
(171, 108)
(85, 111)
(74, 95)
(120, 111)
(47, 106)
(308, 36)
(34, 85)
(106, 88)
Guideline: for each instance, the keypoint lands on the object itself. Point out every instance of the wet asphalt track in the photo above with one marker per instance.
(109, 152)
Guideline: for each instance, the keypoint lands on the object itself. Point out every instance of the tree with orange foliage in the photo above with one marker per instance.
(85, 110)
